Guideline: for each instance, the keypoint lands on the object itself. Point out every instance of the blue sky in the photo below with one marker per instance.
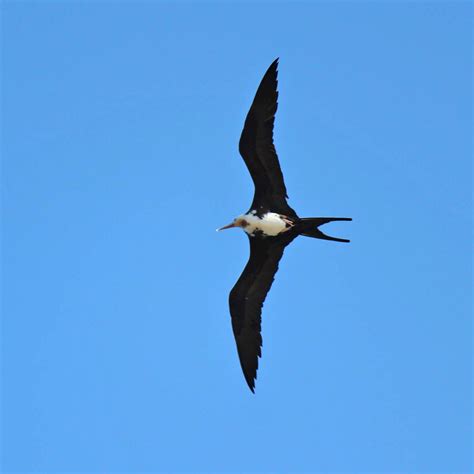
(120, 128)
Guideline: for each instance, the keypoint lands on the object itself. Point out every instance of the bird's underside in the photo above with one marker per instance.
(270, 224)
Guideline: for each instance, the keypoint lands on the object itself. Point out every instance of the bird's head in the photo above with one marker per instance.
(237, 222)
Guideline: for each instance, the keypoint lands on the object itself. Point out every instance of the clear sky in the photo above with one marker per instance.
(120, 131)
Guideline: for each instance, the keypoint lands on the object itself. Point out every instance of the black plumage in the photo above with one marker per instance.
(258, 151)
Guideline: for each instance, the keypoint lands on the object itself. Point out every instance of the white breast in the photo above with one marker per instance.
(270, 224)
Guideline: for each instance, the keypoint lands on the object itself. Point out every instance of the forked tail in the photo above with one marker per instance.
(310, 227)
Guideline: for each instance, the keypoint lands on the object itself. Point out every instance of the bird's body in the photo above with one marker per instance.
(270, 224)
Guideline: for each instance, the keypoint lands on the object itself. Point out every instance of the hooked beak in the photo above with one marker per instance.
(232, 224)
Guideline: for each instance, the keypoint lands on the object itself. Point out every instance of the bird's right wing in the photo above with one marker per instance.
(247, 297)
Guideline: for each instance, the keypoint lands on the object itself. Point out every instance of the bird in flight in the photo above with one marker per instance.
(270, 224)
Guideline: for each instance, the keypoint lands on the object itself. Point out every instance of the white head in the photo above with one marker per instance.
(237, 222)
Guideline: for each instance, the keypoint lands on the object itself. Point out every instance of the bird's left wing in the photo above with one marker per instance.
(247, 297)
(258, 150)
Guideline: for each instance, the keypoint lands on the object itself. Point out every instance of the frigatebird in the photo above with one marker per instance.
(270, 224)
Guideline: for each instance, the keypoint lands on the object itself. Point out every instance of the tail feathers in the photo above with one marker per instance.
(311, 224)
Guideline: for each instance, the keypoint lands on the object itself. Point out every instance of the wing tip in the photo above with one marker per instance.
(274, 65)
(250, 374)
(251, 383)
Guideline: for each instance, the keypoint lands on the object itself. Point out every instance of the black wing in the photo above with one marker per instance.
(258, 151)
(247, 297)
